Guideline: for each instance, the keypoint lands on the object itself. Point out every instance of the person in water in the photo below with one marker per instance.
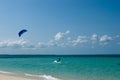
(58, 60)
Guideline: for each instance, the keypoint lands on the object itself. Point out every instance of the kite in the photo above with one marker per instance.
(21, 32)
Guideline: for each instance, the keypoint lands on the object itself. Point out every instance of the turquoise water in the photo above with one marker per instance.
(70, 68)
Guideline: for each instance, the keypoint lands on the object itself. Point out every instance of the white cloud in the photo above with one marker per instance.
(61, 39)
(41, 45)
(94, 37)
(60, 35)
(105, 38)
(16, 44)
(3, 44)
(24, 44)
(50, 43)
(67, 32)
(79, 40)
(13, 44)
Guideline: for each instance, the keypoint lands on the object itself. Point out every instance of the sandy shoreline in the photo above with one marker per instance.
(15, 76)
(6, 76)
(10, 77)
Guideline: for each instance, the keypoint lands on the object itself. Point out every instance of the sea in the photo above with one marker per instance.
(71, 67)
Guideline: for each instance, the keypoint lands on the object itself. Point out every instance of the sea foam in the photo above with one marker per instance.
(37, 77)
(42, 77)
(5, 72)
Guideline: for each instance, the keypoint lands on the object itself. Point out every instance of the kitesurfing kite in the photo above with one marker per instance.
(21, 32)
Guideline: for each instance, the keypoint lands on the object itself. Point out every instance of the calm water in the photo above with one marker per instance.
(70, 68)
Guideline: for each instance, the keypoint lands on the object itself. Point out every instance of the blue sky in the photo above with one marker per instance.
(60, 26)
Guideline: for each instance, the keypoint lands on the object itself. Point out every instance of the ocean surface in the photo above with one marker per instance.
(43, 67)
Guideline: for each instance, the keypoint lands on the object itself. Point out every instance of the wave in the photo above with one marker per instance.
(42, 77)
(37, 77)
(5, 72)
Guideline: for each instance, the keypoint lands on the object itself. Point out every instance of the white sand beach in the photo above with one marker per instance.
(10, 77)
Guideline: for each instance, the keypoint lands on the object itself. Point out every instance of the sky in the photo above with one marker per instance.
(60, 26)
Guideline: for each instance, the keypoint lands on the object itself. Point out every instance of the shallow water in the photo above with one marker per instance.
(70, 68)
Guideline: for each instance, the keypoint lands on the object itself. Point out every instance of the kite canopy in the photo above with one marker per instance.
(21, 32)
